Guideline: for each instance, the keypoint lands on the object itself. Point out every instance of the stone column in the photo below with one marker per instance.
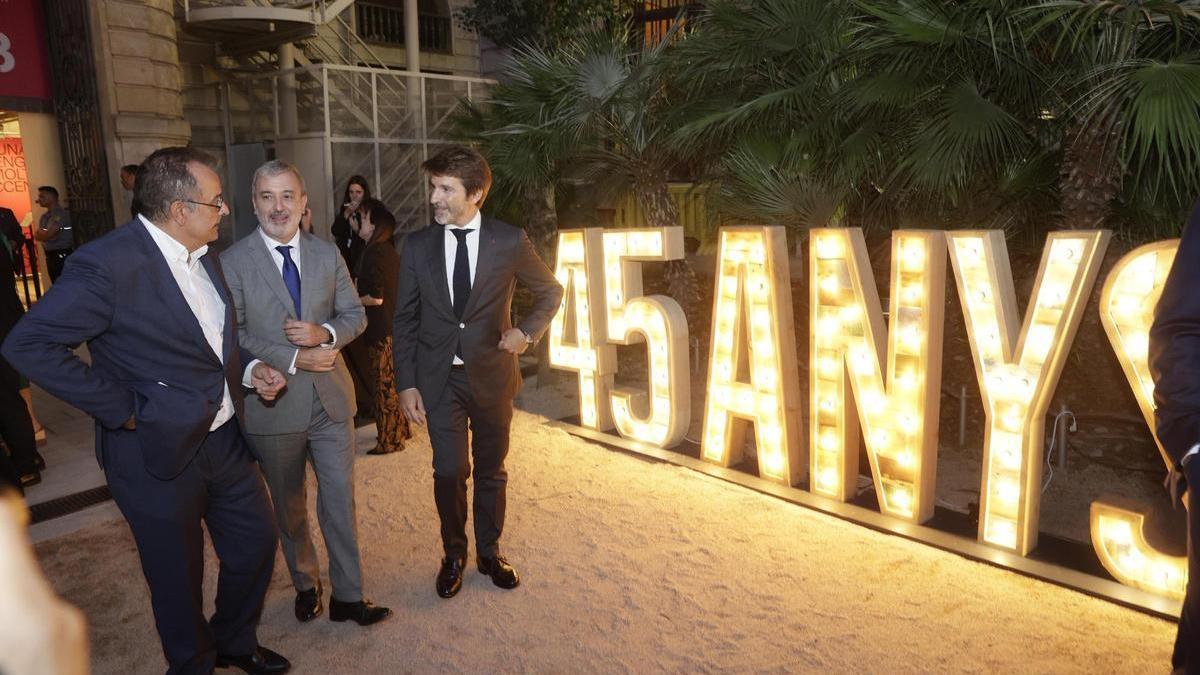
(139, 83)
(288, 122)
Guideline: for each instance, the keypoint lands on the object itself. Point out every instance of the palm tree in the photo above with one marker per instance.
(1133, 132)
(515, 131)
(753, 108)
(594, 111)
(1019, 114)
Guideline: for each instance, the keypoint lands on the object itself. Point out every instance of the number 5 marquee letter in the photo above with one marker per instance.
(658, 321)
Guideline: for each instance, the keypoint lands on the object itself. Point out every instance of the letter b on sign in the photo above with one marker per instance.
(7, 61)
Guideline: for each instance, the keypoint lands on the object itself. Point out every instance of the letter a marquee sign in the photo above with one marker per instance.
(867, 374)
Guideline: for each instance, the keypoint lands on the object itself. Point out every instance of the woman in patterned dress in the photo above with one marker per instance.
(377, 273)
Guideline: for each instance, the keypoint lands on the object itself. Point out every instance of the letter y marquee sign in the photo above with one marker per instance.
(874, 372)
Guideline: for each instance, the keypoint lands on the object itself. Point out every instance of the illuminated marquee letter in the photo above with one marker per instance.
(1126, 310)
(578, 270)
(657, 320)
(1018, 371)
(752, 313)
(899, 416)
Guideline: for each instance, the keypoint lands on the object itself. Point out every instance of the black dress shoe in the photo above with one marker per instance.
(363, 612)
(39, 462)
(308, 603)
(449, 578)
(262, 662)
(31, 478)
(502, 574)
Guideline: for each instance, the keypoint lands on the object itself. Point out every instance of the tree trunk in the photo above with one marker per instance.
(1090, 176)
(541, 226)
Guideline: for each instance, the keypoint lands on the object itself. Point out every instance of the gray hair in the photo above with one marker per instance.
(274, 168)
(166, 177)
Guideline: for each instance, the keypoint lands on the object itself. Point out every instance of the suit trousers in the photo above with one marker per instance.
(16, 426)
(55, 261)
(1187, 639)
(223, 487)
(489, 424)
(329, 446)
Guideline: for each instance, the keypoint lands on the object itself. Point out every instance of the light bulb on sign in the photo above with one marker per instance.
(829, 247)
(912, 255)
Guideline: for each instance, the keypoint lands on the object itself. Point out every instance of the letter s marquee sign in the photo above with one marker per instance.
(867, 376)
(24, 68)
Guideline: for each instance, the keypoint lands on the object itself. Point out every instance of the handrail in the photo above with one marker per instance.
(368, 69)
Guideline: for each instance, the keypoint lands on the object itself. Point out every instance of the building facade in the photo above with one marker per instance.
(338, 87)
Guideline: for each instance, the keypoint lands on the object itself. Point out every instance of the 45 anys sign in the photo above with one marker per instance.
(868, 374)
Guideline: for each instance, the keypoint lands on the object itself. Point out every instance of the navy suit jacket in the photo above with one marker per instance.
(149, 357)
(1175, 349)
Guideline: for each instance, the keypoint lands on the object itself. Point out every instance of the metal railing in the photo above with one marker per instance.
(383, 24)
(25, 267)
(377, 122)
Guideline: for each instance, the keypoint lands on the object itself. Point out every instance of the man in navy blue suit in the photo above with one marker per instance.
(165, 388)
(1175, 367)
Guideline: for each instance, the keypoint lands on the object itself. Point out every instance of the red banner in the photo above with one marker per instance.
(24, 68)
(14, 182)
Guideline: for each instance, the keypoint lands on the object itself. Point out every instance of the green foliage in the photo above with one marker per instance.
(1019, 114)
(544, 23)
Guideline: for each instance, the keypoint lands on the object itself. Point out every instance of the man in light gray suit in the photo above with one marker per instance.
(296, 308)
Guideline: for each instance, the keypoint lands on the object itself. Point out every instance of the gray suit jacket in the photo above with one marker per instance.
(262, 303)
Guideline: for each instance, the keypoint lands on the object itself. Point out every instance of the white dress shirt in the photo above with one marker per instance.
(451, 245)
(202, 298)
(278, 258)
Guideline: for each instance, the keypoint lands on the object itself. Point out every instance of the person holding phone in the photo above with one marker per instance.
(345, 225)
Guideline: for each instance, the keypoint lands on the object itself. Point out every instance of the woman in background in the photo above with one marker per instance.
(345, 225)
(377, 274)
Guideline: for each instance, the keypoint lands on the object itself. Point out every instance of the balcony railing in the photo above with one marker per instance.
(382, 24)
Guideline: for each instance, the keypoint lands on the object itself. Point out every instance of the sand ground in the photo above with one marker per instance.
(633, 566)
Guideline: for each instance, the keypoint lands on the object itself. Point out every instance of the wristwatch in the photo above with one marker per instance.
(528, 337)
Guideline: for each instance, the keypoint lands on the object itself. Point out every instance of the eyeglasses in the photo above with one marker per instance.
(217, 203)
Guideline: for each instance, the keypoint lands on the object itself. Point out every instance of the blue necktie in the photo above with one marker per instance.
(291, 276)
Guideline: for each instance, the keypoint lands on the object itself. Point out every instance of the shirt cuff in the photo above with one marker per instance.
(247, 379)
(333, 333)
(292, 367)
(1187, 455)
